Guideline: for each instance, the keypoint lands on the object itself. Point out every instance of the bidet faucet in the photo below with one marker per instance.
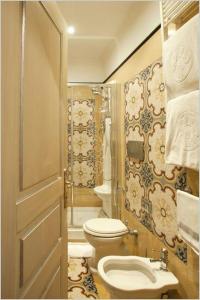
(163, 259)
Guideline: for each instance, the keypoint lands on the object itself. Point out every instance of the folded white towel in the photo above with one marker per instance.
(182, 131)
(188, 219)
(181, 59)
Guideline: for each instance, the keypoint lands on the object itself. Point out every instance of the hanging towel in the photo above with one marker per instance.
(107, 150)
(188, 219)
(182, 131)
(181, 59)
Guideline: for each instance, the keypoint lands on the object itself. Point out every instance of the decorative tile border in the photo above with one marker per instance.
(151, 185)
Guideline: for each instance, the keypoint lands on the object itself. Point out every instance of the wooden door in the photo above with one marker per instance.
(34, 258)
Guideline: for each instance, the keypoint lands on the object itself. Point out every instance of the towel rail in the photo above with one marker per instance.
(171, 10)
(177, 12)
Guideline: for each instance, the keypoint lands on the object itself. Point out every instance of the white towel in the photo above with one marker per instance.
(188, 219)
(182, 131)
(107, 150)
(181, 59)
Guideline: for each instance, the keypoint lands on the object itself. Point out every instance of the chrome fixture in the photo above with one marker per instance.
(105, 92)
(131, 231)
(97, 90)
(163, 258)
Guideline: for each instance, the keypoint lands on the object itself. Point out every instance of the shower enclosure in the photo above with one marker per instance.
(89, 111)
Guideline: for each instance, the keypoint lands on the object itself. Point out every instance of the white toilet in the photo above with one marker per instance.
(106, 236)
(104, 193)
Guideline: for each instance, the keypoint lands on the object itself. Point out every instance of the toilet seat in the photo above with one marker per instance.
(105, 227)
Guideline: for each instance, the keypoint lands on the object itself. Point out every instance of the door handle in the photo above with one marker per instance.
(67, 185)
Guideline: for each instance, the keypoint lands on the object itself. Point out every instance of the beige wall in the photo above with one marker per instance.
(187, 273)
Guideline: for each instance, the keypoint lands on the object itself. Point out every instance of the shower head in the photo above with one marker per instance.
(97, 90)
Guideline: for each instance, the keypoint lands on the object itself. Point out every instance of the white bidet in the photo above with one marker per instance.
(135, 277)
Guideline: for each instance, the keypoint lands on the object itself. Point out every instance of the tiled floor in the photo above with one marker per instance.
(81, 283)
(80, 280)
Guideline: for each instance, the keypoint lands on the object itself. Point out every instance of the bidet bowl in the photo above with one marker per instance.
(134, 277)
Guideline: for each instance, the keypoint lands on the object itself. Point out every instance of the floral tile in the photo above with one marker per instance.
(83, 174)
(146, 174)
(156, 89)
(78, 292)
(82, 112)
(80, 280)
(164, 212)
(146, 220)
(77, 268)
(181, 181)
(83, 142)
(157, 152)
(181, 252)
(134, 99)
(135, 193)
(146, 120)
(154, 182)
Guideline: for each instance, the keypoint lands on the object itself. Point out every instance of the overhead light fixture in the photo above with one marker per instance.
(71, 29)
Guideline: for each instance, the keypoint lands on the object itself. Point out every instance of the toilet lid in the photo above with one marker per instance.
(105, 225)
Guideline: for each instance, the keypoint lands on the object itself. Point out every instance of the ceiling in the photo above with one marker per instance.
(106, 33)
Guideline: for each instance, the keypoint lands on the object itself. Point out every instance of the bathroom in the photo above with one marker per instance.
(102, 150)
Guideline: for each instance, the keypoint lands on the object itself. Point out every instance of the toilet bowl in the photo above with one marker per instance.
(135, 277)
(106, 236)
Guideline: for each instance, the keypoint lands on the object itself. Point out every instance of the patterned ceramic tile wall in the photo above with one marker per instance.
(83, 150)
(81, 284)
(150, 184)
(86, 156)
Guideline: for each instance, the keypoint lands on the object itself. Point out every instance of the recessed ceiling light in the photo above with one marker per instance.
(71, 29)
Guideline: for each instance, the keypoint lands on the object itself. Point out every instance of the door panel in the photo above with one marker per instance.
(41, 280)
(34, 219)
(52, 291)
(40, 111)
(35, 245)
(29, 208)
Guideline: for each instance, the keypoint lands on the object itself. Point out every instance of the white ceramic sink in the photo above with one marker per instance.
(135, 277)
